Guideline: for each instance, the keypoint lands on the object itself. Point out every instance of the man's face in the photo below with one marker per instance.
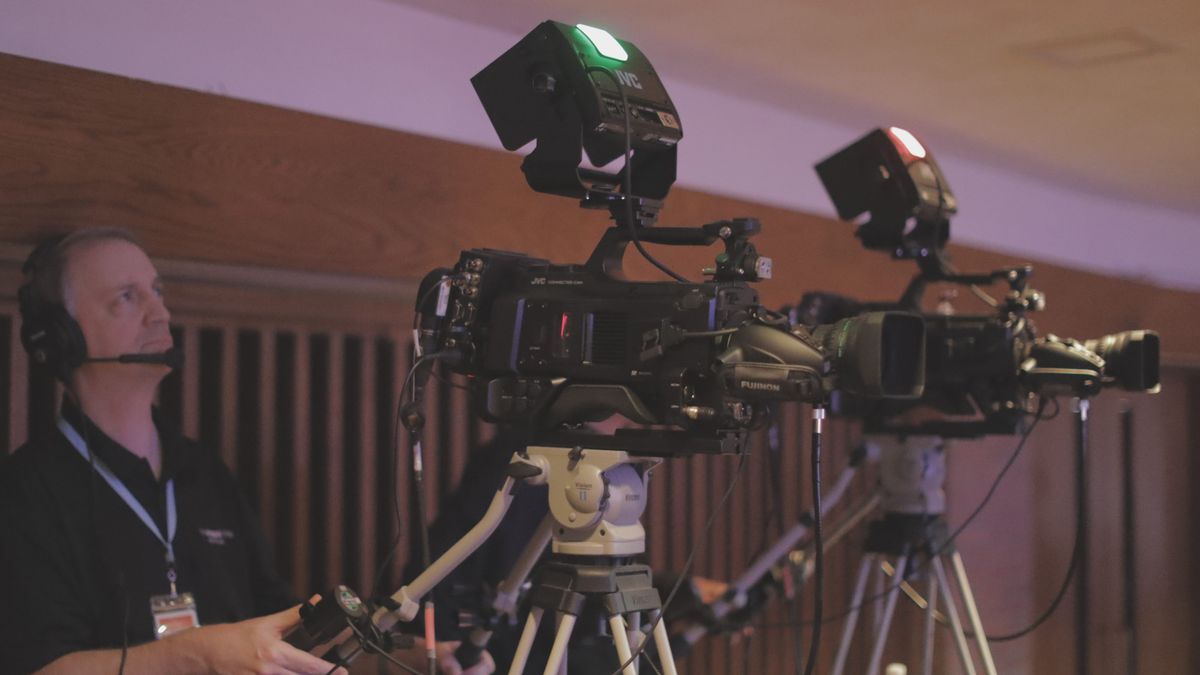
(114, 292)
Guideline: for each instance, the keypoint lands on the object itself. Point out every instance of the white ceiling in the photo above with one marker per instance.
(1103, 95)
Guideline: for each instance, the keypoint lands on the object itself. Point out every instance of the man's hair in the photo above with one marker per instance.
(47, 270)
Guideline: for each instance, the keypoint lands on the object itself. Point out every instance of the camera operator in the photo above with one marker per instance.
(116, 529)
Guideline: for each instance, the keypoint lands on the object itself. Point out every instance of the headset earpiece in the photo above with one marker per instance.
(50, 335)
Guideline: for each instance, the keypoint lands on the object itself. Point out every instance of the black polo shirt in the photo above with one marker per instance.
(78, 567)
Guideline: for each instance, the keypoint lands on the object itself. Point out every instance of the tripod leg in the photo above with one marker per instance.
(860, 587)
(663, 642)
(879, 591)
(964, 587)
(636, 637)
(616, 623)
(960, 639)
(558, 653)
(888, 611)
(521, 656)
(930, 613)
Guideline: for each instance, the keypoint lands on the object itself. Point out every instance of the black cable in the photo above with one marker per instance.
(1057, 409)
(819, 558)
(368, 646)
(421, 302)
(124, 628)
(1062, 592)
(653, 664)
(687, 564)
(396, 470)
(950, 539)
(996, 483)
(629, 178)
(448, 382)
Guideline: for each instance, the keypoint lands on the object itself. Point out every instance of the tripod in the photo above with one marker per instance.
(594, 534)
(912, 474)
(596, 499)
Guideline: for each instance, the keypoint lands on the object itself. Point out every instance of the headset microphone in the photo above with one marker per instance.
(172, 358)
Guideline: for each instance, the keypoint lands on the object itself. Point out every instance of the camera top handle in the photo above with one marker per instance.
(739, 262)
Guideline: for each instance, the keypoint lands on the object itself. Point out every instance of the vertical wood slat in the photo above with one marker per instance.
(266, 437)
(229, 397)
(18, 390)
(367, 557)
(335, 461)
(301, 457)
(191, 381)
(658, 522)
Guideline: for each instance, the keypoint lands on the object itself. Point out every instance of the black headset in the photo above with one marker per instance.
(50, 335)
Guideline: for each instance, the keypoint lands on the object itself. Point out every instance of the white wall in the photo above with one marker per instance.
(385, 64)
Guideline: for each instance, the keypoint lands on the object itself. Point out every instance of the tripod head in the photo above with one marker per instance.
(596, 497)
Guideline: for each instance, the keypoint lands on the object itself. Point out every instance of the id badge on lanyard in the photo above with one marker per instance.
(176, 611)
(173, 613)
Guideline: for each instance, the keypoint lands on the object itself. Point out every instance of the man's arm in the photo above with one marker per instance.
(253, 646)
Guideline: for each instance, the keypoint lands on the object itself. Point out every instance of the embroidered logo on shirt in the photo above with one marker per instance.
(216, 537)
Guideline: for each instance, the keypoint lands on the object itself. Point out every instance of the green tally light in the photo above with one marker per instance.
(604, 42)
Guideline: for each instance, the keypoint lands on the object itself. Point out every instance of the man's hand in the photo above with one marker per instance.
(253, 647)
(256, 647)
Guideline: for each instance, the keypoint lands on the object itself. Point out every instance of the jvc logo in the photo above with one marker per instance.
(628, 79)
(538, 281)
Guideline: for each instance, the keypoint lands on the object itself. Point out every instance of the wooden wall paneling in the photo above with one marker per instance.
(228, 368)
(191, 380)
(301, 515)
(267, 488)
(1191, 528)
(657, 518)
(365, 489)
(334, 479)
(680, 508)
(1166, 447)
(347, 206)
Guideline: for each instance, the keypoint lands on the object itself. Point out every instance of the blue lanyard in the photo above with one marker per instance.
(127, 496)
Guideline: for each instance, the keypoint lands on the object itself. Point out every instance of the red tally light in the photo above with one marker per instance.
(907, 144)
(562, 328)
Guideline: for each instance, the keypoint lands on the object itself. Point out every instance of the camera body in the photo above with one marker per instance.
(982, 370)
(550, 344)
(555, 345)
